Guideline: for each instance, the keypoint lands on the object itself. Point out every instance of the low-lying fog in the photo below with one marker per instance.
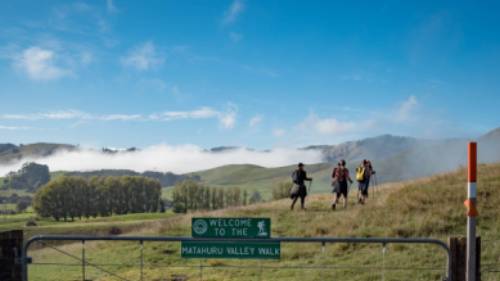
(177, 159)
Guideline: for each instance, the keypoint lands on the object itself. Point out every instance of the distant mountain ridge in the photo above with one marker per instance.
(380, 147)
(395, 158)
(10, 152)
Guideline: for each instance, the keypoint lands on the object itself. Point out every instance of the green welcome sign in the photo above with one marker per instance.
(237, 228)
(230, 250)
(231, 227)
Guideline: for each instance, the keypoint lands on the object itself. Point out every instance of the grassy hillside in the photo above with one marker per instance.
(430, 207)
(262, 179)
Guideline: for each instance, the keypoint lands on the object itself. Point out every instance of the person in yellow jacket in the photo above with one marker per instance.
(363, 174)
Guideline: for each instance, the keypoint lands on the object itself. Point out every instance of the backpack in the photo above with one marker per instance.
(295, 177)
(360, 173)
(340, 174)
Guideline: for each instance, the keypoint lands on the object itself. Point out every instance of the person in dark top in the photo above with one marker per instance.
(299, 176)
(340, 177)
(367, 171)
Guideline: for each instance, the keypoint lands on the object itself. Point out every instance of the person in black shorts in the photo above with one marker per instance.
(364, 183)
(299, 176)
(340, 177)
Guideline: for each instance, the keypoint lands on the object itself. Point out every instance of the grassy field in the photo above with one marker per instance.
(425, 208)
(94, 226)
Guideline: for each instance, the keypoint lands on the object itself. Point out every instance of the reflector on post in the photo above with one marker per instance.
(472, 161)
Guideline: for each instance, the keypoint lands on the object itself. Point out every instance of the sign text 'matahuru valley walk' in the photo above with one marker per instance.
(235, 249)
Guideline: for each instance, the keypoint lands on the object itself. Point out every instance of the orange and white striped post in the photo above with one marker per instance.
(472, 213)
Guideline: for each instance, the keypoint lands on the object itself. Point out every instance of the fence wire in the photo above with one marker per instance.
(80, 265)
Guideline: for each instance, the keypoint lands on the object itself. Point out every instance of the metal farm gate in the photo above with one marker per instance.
(84, 264)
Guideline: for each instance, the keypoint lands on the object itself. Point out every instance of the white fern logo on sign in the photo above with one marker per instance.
(200, 227)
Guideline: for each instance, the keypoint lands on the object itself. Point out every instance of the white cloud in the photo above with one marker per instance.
(71, 115)
(227, 118)
(178, 159)
(255, 121)
(14, 128)
(54, 115)
(406, 109)
(143, 57)
(328, 126)
(233, 12)
(201, 113)
(333, 126)
(279, 132)
(120, 117)
(64, 115)
(39, 64)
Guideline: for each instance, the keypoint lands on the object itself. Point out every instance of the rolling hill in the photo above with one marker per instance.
(256, 178)
(11, 152)
(429, 207)
(395, 158)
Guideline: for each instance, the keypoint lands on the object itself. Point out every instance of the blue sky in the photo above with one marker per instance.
(260, 74)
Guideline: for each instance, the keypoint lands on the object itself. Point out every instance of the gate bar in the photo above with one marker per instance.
(370, 240)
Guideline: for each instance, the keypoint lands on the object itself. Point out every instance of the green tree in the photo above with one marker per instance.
(61, 198)
(70, 197)
(103, 196)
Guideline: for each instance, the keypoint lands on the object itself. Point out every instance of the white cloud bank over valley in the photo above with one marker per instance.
(177, 159)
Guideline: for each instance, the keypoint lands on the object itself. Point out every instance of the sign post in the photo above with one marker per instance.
(472, 213)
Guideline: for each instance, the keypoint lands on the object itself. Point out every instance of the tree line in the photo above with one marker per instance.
(70, 197)
(166, 179)
(191, 196)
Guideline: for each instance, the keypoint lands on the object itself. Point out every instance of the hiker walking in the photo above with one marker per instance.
(340, 177)
(363, 174)
(299, 190)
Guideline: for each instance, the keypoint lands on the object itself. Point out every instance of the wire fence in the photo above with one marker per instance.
(136, 261)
